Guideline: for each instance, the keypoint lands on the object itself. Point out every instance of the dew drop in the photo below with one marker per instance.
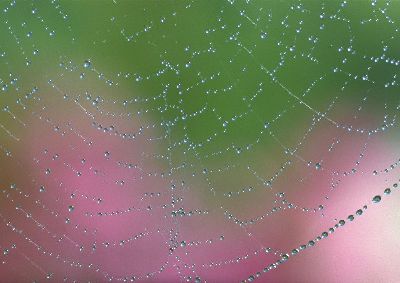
(376, 199)
(263, 35)
(87, 64)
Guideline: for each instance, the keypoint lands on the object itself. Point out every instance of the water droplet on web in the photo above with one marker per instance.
(318, 166)
(376, 199)
(71, 208)
(87, 64)
(263, 35)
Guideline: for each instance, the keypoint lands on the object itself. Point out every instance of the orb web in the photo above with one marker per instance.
(190, 141)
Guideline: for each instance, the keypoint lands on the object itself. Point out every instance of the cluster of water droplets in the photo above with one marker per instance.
(244, 54)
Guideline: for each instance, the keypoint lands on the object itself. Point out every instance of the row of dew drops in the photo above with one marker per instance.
(376, 199)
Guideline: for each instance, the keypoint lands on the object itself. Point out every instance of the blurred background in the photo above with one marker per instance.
(199, 141)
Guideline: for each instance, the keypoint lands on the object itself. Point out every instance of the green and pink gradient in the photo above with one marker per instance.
(199, 141)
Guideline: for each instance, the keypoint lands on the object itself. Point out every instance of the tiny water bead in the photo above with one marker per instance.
(376, 199)
(263, 35)
(387, 191)
(285, 257)
(87, 64)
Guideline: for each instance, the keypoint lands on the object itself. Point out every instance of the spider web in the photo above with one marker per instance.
(190, 141)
